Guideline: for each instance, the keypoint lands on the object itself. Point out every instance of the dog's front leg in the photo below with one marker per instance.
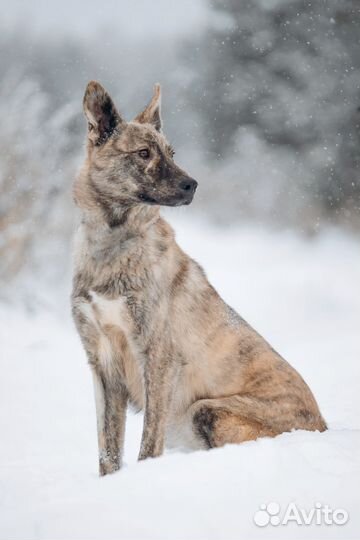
(111, 402)
(159, 377)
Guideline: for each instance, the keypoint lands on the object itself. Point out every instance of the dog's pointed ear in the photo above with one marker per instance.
(101, 113)
(152, 113)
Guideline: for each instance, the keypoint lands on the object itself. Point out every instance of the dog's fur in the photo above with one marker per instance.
(156, 333)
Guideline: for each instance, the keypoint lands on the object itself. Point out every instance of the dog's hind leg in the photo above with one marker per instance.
(236, 419)
(216, 425)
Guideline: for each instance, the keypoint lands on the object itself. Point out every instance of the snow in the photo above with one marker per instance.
(302, 295)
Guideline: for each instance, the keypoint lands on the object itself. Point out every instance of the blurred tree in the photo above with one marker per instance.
(288, 72)
(37, 154)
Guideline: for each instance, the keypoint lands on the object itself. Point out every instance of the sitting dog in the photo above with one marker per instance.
(156, 333)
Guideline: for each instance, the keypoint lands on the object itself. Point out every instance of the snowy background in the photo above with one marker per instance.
(260, 99)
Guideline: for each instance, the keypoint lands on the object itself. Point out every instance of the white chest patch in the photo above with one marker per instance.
(112, 312)
(104, 314)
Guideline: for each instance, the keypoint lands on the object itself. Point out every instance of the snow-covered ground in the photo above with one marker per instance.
(303, 296)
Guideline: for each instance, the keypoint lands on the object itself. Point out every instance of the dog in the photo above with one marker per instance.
(157, 335)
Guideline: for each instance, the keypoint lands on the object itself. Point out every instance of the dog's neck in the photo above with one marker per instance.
(127, 224)
(122, 232)
(103, 220)
(136, 243)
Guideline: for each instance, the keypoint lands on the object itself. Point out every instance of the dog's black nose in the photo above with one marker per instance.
(189, 185)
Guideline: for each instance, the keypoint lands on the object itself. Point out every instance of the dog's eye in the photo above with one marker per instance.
(144, 153)
(171, 151)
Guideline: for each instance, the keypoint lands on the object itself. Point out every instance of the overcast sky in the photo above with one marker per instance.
(74, 17)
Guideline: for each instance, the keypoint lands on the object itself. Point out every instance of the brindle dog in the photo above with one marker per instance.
(156, 333)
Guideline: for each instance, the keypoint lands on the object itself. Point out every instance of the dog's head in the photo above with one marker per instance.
(131, 162)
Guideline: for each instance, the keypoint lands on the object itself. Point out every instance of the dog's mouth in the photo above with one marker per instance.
(147, 199)
(184, 202)
(181, 199)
